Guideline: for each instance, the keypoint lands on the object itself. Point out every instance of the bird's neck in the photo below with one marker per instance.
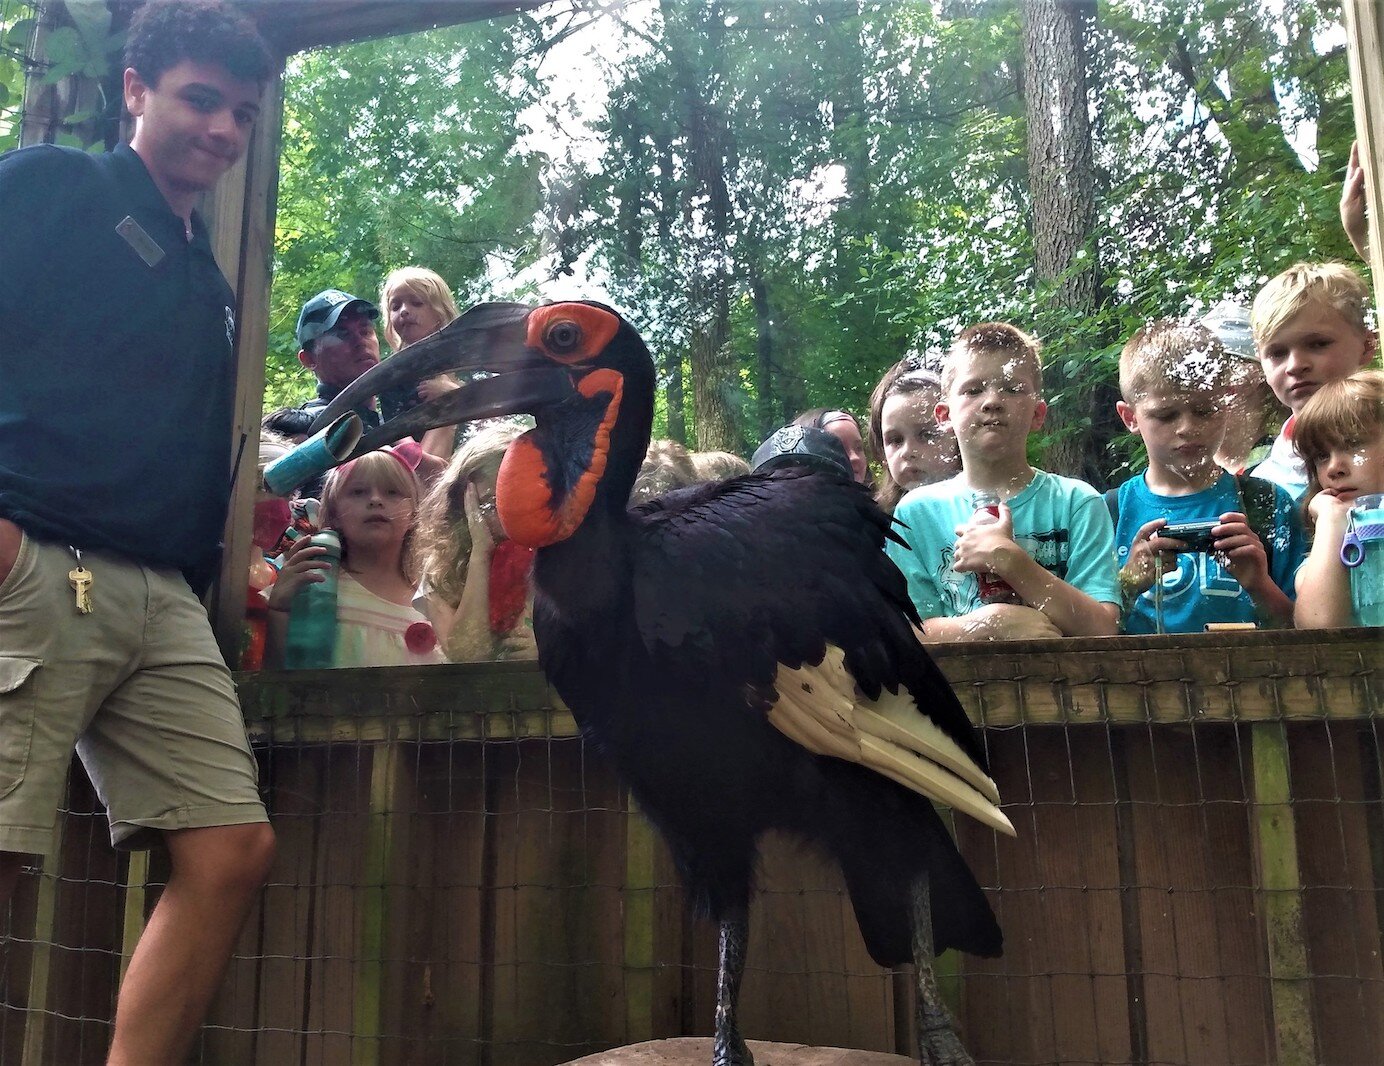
(587, 574)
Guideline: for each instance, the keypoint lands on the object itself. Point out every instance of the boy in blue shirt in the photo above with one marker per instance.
(1174, 378)
(1052, 542)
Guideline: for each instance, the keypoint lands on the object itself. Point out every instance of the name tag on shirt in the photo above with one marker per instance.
(144, 245)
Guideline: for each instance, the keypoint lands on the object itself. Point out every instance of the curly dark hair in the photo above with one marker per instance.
(163, 33)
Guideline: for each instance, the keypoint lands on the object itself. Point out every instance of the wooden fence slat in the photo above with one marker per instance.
(639, 927)
(1281, 889)
(45, 929)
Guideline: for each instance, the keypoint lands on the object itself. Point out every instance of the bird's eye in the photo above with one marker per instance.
(563, 337)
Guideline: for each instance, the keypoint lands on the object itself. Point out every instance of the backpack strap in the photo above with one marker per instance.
(1260, 504)
(1112, 504)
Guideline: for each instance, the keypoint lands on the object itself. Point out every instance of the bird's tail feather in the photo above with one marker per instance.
(882, 860)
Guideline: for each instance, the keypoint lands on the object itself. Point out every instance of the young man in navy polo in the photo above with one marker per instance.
(116, 341)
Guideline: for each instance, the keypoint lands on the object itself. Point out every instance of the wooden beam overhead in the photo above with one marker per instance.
(294, 25)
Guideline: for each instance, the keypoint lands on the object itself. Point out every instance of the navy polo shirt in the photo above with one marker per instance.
(116, 371)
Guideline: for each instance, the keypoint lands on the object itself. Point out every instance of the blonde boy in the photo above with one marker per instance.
(1053, 542)
(1175, 378)
(1309, 329)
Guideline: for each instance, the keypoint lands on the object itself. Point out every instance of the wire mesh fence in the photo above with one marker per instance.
(1197, 879)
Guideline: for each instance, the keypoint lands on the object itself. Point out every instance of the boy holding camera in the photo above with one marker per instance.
(1196, 544)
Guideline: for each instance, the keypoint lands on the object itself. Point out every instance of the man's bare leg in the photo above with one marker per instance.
(180, 960)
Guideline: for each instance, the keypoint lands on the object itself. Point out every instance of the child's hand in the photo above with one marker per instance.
(1137, 573)
(1010, 621)
(986, 545)
(303, 565)
(1329, 511)
(1241, 552)
(482, 543)
(435, 387)
(1353, 204)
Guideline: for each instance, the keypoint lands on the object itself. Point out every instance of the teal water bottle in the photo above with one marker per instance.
(1363, 552)
(311, 640)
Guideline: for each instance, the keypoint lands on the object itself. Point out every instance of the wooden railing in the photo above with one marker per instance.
(1198, 876)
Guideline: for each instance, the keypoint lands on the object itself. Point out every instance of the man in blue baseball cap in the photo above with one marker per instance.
(338, 343)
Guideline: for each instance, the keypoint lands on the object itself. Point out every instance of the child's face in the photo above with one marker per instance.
(372, 512)
(847, 432)
(992, 405)
(1353, 469)
(412, 317)
(917, 450)
(484, 479)
(1182, 429)
(1315, 346)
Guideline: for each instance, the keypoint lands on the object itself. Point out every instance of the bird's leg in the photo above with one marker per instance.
(729, 1048)
(938, 1044)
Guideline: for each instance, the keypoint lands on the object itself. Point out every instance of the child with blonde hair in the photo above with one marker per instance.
(372, 503)
(717, 466)
(417, 303)
(905, 437)
(1310, 328)
(1340, 434)
(474, 580)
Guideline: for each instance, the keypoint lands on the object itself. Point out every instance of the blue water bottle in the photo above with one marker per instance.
(1363, 552)
(311, 640)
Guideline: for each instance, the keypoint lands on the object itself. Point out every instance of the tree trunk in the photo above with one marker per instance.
(714, 380)
(1062, 184)
(766, 408)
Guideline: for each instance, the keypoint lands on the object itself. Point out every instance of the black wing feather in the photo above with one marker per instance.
(734, 578)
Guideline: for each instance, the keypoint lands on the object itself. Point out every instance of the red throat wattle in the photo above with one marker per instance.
(524, 492)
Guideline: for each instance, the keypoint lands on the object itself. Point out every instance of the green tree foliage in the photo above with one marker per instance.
(403, 151)
(788, 195)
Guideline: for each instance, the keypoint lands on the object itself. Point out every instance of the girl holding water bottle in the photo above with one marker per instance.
(1340, 435)
(371, 504)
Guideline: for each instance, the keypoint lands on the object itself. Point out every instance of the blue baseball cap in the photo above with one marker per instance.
(321, 313)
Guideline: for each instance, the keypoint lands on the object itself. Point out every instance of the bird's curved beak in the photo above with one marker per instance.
(489, 339)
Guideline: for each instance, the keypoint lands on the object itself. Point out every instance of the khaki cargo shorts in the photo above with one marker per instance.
(138, 685)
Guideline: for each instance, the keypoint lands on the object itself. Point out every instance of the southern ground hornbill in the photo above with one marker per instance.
(742, 651)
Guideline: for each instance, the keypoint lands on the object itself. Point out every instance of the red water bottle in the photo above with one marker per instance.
(993, 588)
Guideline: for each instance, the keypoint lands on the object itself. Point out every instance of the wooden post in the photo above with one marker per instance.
(45, 927)
(387, 769)
(136, 893)
(240, 214)
(1365, 53)
(1280, 888)
(640, 880)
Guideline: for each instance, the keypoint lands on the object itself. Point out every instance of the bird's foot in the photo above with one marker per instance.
(728, 1049)
(938, 1045)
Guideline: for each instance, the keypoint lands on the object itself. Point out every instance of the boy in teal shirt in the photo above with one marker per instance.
(1052, 542)
(1174, 379)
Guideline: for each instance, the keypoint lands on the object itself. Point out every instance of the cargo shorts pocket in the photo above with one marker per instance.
(18, 696)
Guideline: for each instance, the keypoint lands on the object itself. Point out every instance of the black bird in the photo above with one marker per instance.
(744, 651)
